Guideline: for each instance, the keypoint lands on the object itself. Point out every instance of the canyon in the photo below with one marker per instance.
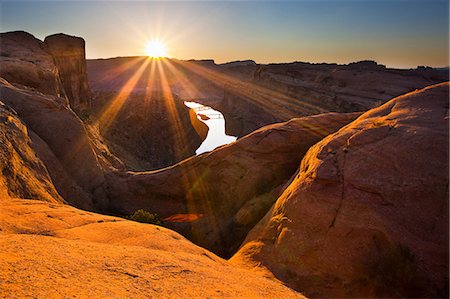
(337, 172)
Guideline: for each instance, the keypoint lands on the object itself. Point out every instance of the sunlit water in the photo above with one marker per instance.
(216, 124)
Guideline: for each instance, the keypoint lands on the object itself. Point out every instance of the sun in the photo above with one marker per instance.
(156, 49)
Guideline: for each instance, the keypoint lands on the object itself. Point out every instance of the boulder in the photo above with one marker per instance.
(367, 213)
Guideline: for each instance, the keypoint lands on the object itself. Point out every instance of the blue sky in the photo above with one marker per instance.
(397, 33)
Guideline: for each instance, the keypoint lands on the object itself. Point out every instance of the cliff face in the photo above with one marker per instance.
(68, 53)
(23, 174)
(367, 213)
(63, 140)
(56, 66)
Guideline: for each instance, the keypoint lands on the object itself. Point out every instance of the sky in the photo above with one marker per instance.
(397, 33)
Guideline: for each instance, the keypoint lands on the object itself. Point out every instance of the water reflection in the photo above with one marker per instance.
(216, 124)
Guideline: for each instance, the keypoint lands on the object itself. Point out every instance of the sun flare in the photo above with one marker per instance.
(156, 49)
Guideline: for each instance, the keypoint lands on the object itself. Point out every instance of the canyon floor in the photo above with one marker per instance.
(337, 185)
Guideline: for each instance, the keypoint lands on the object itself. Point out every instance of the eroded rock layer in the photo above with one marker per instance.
(22, 173)
(367, 214)
(69, 56)
(60, 136)
(24, 61)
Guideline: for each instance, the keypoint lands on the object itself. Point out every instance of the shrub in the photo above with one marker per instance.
(145, 217)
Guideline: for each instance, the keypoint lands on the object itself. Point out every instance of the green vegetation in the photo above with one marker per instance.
(145, 217)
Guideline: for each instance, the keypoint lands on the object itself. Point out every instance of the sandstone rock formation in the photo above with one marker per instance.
(229, 189)
(24, 61)
(53, 250)
(61, 135)
(56, 66)
(367, 213)
(305, 89)
(69, 56)
(23, 174)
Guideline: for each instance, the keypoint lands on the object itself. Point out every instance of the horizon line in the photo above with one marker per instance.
(278, 62)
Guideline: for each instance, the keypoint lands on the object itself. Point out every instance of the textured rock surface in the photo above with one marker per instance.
(22, 174)
(53, 250)
(304, 89)
(69, 56)
(64, 133)
(229, 189)
(24, 61)
(378, 184)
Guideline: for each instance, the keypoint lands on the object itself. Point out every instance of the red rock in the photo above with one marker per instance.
(363, 195)
(69, 56)
(22, 173)
(24, 61)
(232, 186)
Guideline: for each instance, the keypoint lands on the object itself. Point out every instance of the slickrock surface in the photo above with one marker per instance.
(366, 199)
(53, 250)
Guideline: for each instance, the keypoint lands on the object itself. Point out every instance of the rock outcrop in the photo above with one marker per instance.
(53, 250)
(68, 53)
(222, 194)
(55, 67)
(61, 135)
(367, 213)
(24, 61)
(22, 174)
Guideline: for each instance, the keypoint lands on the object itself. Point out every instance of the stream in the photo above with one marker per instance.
(216, 123)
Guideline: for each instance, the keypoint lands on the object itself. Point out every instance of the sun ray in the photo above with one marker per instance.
(116, 71)
(197, 198)
(169, 101)
(267, 99)
(190, 89)
(110, 112)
